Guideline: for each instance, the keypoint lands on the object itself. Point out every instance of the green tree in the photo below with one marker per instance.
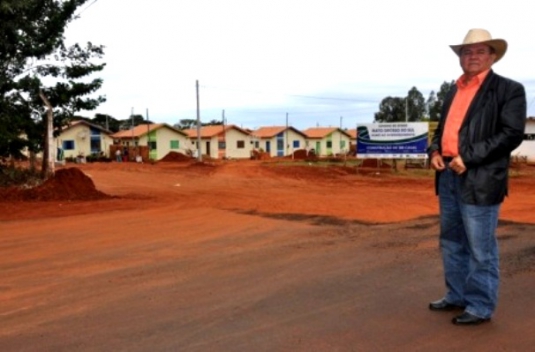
(416, 105)
(186, 124)
(33, 54)
(391, 109)
(431, 107)
(435, 107)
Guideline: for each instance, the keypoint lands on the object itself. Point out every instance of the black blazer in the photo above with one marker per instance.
(492, 128)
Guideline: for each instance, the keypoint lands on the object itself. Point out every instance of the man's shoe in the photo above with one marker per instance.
(468, 319)
(443, 306)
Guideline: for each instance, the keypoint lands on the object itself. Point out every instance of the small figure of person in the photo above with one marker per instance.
(125, 154)
(118, 156)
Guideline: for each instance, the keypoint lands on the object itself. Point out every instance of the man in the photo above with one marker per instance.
(482, 122)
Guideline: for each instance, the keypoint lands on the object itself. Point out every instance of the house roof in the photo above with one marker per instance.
(213, 131)
(272, 131)
(352, 132)
(75, 123)
(143, 129)
(322, 132)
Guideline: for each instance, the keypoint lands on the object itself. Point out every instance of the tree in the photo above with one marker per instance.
(32, 51)
(435, 107)
(430, 107)
(416, 105)
(186, 124)
(391, 109)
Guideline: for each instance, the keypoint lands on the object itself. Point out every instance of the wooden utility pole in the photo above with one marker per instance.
(148, 133)
(199, 154)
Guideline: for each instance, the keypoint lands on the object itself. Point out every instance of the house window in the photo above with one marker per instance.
(152, 145)
(329, 144)
(342, 144)
(240, 144)
(222, 145)
(295, 144)
(174, 145)
(68, 145)
(257, 144)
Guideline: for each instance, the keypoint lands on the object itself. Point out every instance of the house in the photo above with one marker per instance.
(327, 141)
(527, 148)
(82, 138)
(152, 141)
(353, 142)
(221, 141)
(279, 140)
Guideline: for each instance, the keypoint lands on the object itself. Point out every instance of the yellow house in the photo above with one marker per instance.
(159, 138)
(327, 141)
(82, 138)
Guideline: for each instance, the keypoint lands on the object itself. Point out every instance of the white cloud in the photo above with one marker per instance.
(253, 57)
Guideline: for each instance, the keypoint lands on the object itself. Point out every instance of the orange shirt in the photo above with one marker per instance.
(458, 109)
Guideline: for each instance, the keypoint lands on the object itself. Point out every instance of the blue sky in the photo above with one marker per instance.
(319, 62)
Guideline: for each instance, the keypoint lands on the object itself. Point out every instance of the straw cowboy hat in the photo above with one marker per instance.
(476, 36)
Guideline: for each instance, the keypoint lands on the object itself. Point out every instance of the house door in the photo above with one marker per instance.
(208, 148)
(318, 148)
(268, 147)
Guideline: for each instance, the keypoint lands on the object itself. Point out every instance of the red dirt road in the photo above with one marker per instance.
(249, 256)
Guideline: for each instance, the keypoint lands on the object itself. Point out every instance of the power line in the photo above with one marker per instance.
(291, 95)
(82, 11)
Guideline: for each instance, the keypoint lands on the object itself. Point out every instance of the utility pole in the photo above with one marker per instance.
(148, 134)
(132, 140)
(199, 154)
(224, 134)
(286, 137)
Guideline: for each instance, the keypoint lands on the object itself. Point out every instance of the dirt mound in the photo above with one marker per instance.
(376, 163)
(67, 184)
(258, 155)
(175, 156)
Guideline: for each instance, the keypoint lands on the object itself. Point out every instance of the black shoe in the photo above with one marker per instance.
(468, 319)
(443, 306)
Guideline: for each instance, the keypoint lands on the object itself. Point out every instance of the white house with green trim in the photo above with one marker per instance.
(160, 138)
(328, 141)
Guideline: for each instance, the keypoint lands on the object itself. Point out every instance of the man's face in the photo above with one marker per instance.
(476, 58)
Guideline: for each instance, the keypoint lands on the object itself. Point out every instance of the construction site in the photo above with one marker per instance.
(247, 255)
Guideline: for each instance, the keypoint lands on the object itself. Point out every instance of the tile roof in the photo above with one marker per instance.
(143, 129)
(352, 132)
(272, 131)
(213, 130)
(322, 132)
(268, 132)
(74, 123)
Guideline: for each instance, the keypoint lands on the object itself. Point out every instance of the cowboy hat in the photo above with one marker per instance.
(476, 36)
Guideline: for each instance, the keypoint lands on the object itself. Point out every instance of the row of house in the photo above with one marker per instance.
(82, 138)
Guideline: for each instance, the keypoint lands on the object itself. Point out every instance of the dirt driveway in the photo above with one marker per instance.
(249, 256)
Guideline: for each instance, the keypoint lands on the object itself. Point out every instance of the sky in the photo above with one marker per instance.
(305, 63)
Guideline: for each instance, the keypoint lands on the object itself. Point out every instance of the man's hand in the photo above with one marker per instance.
(457, 165)
(437, 163)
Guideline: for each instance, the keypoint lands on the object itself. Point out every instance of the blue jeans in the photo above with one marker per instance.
(469, 249)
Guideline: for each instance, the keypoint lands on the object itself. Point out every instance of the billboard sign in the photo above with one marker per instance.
(397, 140)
